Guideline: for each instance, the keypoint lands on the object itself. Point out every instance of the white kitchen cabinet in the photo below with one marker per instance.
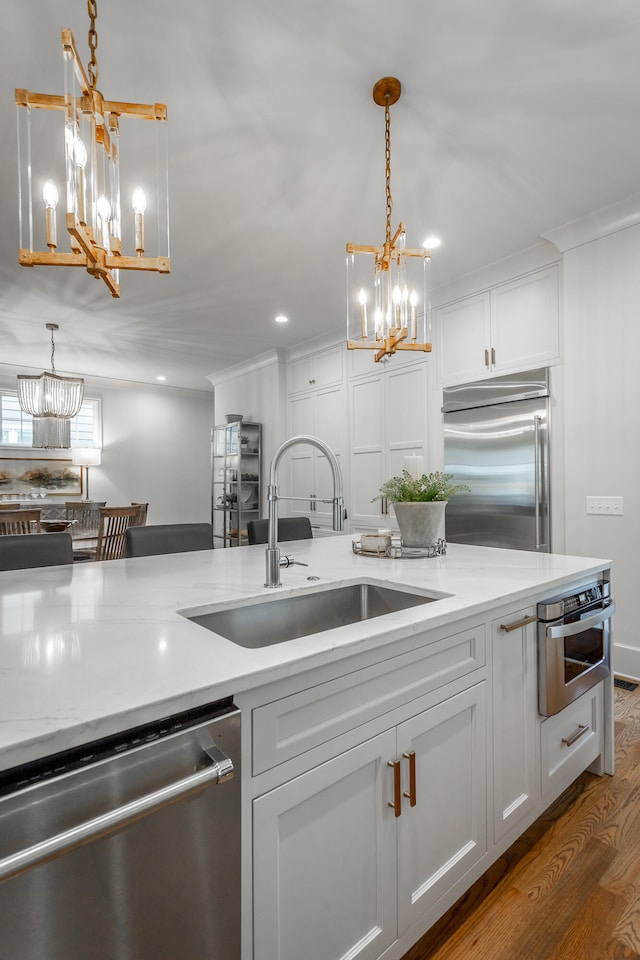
(325, 860)
(315, 370)
(319, 413)
(387, 422)
(337, 873)
(511, 327)
(516, 763)
(571, 740)
(445, 833)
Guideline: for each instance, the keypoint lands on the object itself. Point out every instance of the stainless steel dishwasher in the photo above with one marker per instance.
(127, 849)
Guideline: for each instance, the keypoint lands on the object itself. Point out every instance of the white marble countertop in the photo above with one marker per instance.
(91, 649)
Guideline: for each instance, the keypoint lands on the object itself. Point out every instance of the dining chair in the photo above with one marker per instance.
(19, 522)
(289, 528)
(10, 506)
(40, 550)
(86, 514)
(167, 538)
(144, 507)
(114, 521)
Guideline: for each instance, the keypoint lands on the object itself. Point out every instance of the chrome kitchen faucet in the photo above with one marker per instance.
(273, 551)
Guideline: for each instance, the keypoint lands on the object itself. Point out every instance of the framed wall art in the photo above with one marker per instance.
(39, 477)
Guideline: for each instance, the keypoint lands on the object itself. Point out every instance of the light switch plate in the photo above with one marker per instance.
(611, 506)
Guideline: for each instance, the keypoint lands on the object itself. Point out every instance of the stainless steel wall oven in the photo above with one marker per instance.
(574, 640)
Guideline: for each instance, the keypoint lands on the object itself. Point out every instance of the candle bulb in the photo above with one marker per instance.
(139, 204)
(414, 465)
(50, 197)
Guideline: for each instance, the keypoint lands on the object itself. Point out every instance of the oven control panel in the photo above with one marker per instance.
(562, 606)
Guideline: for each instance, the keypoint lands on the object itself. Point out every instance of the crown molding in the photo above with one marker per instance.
(600, 223)
(247, 366)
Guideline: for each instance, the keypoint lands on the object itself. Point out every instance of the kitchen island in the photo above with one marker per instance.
(386, 763)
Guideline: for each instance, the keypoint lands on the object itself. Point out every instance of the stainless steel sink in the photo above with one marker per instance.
(260, 623)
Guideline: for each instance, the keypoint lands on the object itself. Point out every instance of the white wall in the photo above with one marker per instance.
(156, 449)
(601, 407)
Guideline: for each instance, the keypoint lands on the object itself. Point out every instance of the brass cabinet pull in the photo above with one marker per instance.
(411, 795)
(486, 358)
(493, 356)
(580, 732)
(508, 627)
(396, 804)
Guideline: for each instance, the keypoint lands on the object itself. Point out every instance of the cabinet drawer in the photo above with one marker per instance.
(581, 725)
(292, 725)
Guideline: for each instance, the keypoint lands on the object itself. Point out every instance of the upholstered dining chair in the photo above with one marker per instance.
(167, 538)
(40, 550)
(289, 528)
(20, 521)
(114, 521)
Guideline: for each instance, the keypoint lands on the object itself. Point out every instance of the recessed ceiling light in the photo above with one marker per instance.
(281, 318)
(430, 242)
(161, 379)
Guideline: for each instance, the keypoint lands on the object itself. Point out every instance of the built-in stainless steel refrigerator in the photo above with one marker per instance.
(496, 440)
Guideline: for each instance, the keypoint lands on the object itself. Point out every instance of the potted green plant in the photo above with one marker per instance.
(419, 504)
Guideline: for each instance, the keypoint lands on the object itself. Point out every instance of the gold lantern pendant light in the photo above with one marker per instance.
(52, 401)
(388, 308)
(98, 233)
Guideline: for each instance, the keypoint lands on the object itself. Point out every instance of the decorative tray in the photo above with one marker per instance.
(398, 552)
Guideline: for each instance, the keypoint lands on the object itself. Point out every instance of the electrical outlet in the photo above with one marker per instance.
(610, 506)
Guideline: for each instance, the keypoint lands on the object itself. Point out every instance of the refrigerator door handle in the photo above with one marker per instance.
(536, 469)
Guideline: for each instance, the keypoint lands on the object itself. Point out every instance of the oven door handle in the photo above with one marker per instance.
(571, 629)
(219, 769)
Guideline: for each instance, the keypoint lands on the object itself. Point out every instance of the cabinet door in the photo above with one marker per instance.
(524, 321)
(445, 833)
(516, 757)
(322, 414)
(463, 340)
(330, 425)
(300, 375)
(406, 415)
(300, 459)
(368, 459)
(316, 370)
(325, 860)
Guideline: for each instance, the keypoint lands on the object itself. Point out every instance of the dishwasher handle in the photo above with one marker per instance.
(570, 629)
(219, 768)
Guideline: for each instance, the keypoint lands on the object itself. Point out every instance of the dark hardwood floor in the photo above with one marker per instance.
(569, 889)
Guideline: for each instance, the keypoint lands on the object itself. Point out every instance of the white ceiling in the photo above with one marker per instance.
(515, 118)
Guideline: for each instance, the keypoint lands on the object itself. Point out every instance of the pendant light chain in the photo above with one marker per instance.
(387, 157)
(52, 327)
(92, 6)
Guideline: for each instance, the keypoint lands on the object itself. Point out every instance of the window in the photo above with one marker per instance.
(16, 429)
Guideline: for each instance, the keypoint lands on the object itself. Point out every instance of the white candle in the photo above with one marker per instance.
(414, 465)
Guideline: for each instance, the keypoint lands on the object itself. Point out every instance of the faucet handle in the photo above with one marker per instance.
(286, 561)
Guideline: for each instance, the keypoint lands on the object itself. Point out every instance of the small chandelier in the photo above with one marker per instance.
(52, 401)
(388, 308)
(98, 233)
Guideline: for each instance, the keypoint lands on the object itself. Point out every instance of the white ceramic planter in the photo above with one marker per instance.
(420, 523)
